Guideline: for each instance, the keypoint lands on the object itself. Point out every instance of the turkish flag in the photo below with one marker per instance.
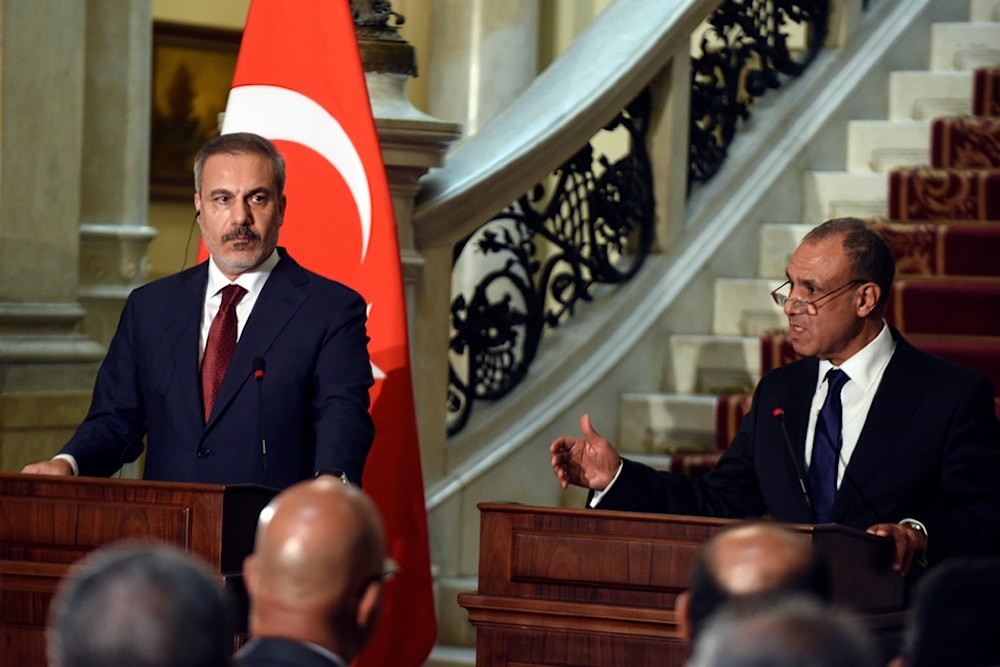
(299, 82)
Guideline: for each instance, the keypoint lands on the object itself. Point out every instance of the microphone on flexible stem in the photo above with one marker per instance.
(779, 414)
(258, 372)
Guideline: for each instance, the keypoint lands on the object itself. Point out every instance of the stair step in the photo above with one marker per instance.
(947, 305)
(744, 307)
(454, 628)
(926, 95)
(964, 46)
(984, 10)
(944, 248)
(835, 194)
(451, 656)
(706, 364)
(881, 145)
(920, 194)
(656, 425)
(777, 243)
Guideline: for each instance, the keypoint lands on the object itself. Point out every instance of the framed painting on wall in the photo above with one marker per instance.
(192, 72)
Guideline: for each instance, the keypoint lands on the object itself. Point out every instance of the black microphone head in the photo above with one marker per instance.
(197, 213)
(258, 367)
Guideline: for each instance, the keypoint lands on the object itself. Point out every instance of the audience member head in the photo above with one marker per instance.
(749, 559)
(955, 615)
(783, 631)
(317, 570)
(139, 605)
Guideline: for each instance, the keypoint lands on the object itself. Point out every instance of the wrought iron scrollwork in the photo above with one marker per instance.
(527, 268)
(744, 52)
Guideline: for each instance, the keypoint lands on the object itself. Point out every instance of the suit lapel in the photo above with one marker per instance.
(282, 296)
(897, 396)
(799, 402)
(179, 342)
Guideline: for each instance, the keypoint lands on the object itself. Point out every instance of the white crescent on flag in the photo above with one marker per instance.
(281, 114)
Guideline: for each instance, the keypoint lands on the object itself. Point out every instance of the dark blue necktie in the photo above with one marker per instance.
(826, 447)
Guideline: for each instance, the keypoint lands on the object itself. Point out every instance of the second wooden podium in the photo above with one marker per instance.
(587, 587)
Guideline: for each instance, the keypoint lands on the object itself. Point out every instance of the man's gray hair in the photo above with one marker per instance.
(139, 606)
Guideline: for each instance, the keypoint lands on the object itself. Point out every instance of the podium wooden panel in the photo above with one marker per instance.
(586, 587)
(48, 523)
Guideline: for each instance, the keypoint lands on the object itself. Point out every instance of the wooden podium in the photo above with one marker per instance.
(48, 523)
(588, 587)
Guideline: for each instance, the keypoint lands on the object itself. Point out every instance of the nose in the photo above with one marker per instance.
(242, 213)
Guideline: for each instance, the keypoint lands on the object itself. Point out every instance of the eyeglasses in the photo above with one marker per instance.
(800, 305)
(390, 568)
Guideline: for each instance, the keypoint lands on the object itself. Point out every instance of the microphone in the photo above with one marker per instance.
(258, 373)
(779, 414)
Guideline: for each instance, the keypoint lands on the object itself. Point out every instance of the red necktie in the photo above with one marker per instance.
(220, 345)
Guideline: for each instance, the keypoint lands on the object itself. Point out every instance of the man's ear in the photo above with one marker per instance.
(370, 607)
(681, 613)
(282, 204)
(869, 295)
(250, 575)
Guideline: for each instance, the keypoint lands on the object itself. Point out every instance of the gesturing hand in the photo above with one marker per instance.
(589, 461)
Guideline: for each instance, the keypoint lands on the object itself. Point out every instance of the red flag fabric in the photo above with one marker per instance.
(299, 82)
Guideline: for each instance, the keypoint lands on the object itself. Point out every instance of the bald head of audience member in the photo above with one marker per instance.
(316, 572)
(750, 559)
(139, 605)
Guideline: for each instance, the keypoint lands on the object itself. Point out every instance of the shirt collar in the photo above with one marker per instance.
(865, 365)
(252, 281)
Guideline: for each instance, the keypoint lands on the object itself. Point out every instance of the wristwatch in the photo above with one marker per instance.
(915, 525)
(336, 473)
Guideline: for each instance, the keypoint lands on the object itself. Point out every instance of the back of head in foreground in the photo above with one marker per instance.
(316, 573)
(139, 605)
(955, 616)
(749, 559)
(783, 631)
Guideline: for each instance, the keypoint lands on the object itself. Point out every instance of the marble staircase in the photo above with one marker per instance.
(726, 360)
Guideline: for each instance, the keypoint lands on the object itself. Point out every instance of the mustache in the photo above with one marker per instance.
(245, 233)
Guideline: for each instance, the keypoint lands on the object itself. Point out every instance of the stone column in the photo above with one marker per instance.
(483, 56)
(46, 363)
(412, 142)
(114, 195)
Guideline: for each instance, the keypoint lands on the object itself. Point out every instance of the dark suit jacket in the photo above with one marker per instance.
(929, 450)
(272, 651)
(309, 330)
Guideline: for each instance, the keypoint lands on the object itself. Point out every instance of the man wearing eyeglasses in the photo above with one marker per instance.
(315, 577)
(866, 431)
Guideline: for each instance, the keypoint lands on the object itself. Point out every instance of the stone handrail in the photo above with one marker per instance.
(562, 109)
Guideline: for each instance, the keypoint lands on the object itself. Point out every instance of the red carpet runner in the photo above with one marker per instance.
(944, 229)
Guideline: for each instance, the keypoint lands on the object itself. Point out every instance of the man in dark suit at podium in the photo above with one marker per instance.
(897, 441)
(244, 369)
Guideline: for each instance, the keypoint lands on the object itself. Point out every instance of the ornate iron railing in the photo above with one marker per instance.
(591, 223)
(595, 215)
(744, 53)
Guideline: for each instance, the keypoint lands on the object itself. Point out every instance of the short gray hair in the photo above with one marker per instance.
(141, 605)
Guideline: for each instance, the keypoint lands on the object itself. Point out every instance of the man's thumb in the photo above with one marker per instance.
(587, 428)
